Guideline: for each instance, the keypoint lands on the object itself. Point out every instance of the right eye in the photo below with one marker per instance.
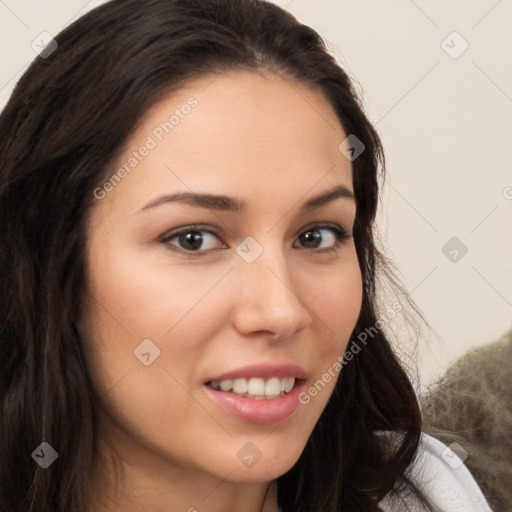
(191, 239)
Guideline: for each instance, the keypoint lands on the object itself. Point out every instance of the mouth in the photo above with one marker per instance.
(260, 394)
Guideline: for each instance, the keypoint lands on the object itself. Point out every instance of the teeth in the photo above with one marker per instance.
(240, 386)
(226, 385)
(256, 387)
(273, 387)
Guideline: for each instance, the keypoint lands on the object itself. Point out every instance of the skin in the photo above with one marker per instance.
(273, 143)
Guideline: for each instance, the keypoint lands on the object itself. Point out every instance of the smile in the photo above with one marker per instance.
(261, 393)
(256, 388)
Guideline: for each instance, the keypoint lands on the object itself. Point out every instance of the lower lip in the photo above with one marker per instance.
(265, 411)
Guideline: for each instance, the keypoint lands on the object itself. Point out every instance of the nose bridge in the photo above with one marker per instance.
(267, 266)
(267, 297)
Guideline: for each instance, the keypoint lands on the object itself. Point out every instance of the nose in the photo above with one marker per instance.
(268, 299)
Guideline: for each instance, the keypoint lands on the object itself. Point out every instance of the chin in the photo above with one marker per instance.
(260, 472)
(253, 464)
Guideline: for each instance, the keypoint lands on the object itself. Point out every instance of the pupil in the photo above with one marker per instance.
(191, 240)
(313, 236)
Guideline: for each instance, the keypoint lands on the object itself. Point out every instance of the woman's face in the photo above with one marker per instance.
(251, 297)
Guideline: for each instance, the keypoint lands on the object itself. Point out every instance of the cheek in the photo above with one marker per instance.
(133, 298)
(337, 305)
(336, 302)
(148, 296)
(131, 303)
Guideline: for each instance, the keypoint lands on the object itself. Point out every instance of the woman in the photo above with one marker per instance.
(189, 320)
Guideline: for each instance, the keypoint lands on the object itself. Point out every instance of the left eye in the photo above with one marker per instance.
(313, 238)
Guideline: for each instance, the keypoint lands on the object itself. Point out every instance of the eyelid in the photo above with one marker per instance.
(330, 225)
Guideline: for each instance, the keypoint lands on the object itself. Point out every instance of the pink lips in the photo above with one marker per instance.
(265, 411)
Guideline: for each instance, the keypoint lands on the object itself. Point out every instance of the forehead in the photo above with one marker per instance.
(237, 130)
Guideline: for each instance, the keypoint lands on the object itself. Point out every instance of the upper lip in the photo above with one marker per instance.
(262, 370)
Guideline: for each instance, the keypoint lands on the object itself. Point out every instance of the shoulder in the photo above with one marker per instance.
(442, 476)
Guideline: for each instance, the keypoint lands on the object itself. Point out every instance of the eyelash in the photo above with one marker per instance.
(340, 234)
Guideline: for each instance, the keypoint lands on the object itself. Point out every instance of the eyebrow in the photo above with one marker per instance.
(231, 204)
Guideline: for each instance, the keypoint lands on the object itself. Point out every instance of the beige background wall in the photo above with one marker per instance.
(444, 113)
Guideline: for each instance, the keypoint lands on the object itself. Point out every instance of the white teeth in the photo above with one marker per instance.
(273, 387)
(240, 386)
(256, 387)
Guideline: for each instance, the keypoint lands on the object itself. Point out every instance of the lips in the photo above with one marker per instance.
(262, 394)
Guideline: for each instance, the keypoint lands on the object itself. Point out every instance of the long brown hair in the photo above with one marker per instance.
(60, 132)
